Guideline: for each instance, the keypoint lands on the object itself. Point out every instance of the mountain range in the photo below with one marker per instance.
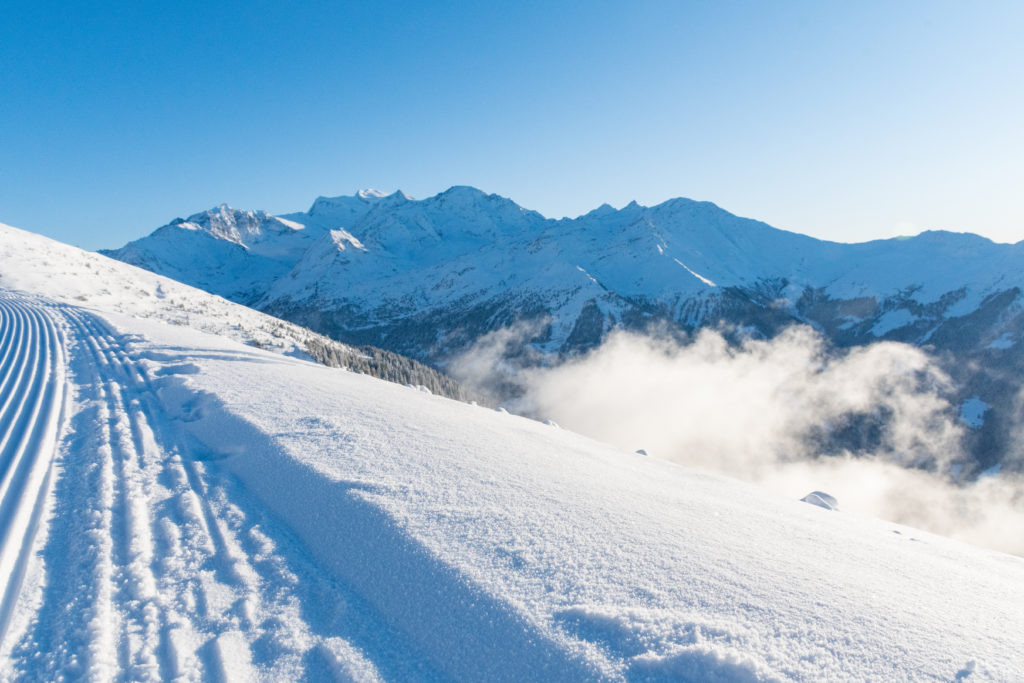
(429, 278)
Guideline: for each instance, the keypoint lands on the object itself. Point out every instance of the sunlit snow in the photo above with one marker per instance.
(203, 509)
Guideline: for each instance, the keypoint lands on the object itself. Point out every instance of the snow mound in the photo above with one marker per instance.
(821, 499)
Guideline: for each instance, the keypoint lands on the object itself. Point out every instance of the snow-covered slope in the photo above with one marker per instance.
(429, 278)
(88, 279)
(215, 511)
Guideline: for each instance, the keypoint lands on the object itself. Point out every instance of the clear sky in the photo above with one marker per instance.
(843, 120)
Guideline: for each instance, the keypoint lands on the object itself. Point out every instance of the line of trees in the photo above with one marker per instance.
(370, 360)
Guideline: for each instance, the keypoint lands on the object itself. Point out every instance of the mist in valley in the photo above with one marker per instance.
(875, 426)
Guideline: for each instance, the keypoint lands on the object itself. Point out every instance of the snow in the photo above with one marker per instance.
(71, 275)
(341, 237)
(589, 276)
(32, 394)
(892, 320)
(1005, 341)
(993, 471)
(821, 499)
(703, 279)
(485, 251)
(972, 412)
(219, 511)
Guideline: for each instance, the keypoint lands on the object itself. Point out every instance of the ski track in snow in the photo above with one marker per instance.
(31, 399)
(154, 572)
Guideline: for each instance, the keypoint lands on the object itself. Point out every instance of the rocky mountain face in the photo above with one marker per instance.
(428, 278)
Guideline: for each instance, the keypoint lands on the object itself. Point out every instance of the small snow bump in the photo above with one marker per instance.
(821, 499)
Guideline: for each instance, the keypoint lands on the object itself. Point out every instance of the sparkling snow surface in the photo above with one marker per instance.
(205, 510)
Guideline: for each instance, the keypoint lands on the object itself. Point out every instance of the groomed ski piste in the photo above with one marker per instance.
(177, 505)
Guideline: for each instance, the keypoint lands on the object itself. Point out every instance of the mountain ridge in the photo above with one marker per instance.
(429, 278)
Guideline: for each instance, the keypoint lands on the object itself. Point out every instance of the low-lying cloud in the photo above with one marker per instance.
(874, 426)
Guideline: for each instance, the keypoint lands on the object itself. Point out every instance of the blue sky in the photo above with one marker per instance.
(846, 121)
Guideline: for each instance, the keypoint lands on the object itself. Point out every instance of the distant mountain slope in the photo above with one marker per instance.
(428, 278)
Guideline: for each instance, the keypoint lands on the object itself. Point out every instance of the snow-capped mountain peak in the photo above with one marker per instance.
(396, 198)
(328, 206)
(428, 277)
(600, 211)
(245, 228)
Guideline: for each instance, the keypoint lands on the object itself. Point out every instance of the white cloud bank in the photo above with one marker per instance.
(768, 412)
